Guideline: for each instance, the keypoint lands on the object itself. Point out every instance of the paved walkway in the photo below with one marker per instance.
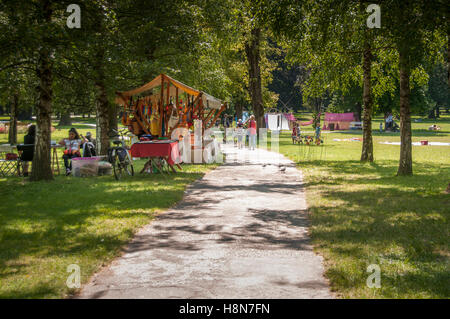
(240, 232)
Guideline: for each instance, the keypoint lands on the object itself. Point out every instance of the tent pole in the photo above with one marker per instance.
(161, 105)
(218, 114)
(166, 116)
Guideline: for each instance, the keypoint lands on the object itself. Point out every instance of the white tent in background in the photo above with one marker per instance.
(284, 123)
(276, 121)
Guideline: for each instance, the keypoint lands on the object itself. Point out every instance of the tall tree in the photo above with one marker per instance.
(41, 159)
(254, 36)
(410, 25)
(332, 40)
(12, 134)
(34, 33)
(252, 50)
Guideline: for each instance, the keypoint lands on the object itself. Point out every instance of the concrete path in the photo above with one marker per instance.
(240, 232)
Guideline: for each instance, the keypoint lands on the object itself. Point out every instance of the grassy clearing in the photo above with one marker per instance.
(363, 214)
(46, 226)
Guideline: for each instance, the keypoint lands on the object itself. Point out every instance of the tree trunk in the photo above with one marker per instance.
(113, 117)
(65, 119)
(102, 107)
(12, 136)
(41, 159)
(102, 119)
(239, 110)
(448, 59)
(359, 111)
(367, 146)
(405, 165)
(102, 102)
(253, 58)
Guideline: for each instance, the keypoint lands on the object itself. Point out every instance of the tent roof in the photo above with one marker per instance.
(208, 100)
(339, 117)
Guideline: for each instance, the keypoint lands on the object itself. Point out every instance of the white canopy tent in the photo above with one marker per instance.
(277, 122)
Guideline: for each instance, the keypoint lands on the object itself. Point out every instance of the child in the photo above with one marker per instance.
(318, 134)
(381, 127)
(295, 132)
(72, 150)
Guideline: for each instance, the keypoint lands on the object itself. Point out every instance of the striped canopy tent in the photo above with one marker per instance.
(161, 96)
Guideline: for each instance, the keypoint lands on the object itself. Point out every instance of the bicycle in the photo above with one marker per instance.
(119, 156)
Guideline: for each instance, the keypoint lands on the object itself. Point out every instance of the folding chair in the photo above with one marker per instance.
(8, 167)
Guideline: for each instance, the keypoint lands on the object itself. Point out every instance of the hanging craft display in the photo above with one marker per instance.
(164, 104)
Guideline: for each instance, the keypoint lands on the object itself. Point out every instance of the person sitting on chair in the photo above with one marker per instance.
(72, 150)
(27, 154)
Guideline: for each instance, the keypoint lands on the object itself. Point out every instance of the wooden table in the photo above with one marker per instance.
(55, 161)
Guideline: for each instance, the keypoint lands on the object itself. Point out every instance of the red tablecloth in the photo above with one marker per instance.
(169, 150)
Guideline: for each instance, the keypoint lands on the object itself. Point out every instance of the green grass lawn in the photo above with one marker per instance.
(46, 226)
(363, 214)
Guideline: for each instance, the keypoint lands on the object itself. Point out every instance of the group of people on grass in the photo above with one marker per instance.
(73, 144)
(390, 124)
(296, 132)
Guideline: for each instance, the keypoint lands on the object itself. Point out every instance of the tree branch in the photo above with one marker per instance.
(12, 65)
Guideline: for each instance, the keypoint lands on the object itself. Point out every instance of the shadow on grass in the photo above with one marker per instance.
(377, 211)
(72, 218)
(35, 292)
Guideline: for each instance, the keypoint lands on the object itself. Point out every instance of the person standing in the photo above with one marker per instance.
(318, 129)
(252, 133)
(240, 133)
(389, 122)
(295, 132)
(27, 155)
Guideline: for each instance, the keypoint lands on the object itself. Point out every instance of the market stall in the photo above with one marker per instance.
(160, 106)
(165, 108)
